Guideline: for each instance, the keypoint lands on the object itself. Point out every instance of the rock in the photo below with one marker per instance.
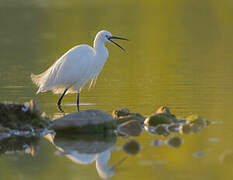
(174, 127)
(185, 129)
(174, 142)
(131, 128)
(195, 122)
(132, 116)
(195, 119)
(162, 129)
(131, 147)
(88, 121)
(163, 109)
(33, 106)
(162, 116)
(124, 115)
(208, 123)
(119, 113)
(22, 116)
(4, 129)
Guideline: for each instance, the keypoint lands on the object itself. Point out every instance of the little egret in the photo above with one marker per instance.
(75, 68)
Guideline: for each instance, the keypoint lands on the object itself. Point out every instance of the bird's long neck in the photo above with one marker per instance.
(100, 48)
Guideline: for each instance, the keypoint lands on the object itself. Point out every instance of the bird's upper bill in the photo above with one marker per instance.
(114, 37)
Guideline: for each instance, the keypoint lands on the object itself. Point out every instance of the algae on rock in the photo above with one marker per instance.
(22, 116)
(124, 115)
(162, 116)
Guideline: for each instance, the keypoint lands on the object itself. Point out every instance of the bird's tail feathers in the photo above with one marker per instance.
(35, 79)
(39, 81)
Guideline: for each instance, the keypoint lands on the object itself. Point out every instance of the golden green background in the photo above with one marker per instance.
(180, 54)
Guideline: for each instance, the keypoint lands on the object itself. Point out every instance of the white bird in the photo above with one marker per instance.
(75, 68)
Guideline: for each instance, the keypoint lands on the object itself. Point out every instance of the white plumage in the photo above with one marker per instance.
(76, 67)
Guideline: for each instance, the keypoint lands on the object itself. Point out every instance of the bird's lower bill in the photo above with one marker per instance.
(114, 37)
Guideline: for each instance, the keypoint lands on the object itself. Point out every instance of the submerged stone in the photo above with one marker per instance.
(131, 147)
(162, 129)
(88, 121)
(174, 142)
(130, 128)
(195, 119)
(195, 122)
(185, 129)
(174, 127)
(162, 116)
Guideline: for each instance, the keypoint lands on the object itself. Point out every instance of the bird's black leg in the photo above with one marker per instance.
(59, 101)
(78, 100)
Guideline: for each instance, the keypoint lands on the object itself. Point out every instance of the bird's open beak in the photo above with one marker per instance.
(114, 37)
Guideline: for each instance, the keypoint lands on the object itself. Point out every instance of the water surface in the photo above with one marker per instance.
(180, 55)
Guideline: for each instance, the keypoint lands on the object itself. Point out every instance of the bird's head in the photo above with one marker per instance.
(106, 36)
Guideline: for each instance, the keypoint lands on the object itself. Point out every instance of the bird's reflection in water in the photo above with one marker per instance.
(87, 149)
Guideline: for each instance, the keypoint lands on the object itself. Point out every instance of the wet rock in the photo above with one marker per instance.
(131, 147)
(174, 142)
(4, 129)
(135, 117)
(185, 129)
(208, 123)
(22, 116)
(88, 121)
(124, 115)
(195, 122)
(33, 106)
(163, 109)
(195, 119)
(120, 113)
(131, 128)
(181, 121)
(173, 127)
(162, 116)
(162, 129)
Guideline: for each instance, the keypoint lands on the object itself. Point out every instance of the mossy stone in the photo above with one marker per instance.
(22, 116)
(162, 116)
(123, 115)
(195, 119)
(120, 113)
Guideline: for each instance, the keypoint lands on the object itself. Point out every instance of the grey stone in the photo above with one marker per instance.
(131, 128)
(85, 121)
